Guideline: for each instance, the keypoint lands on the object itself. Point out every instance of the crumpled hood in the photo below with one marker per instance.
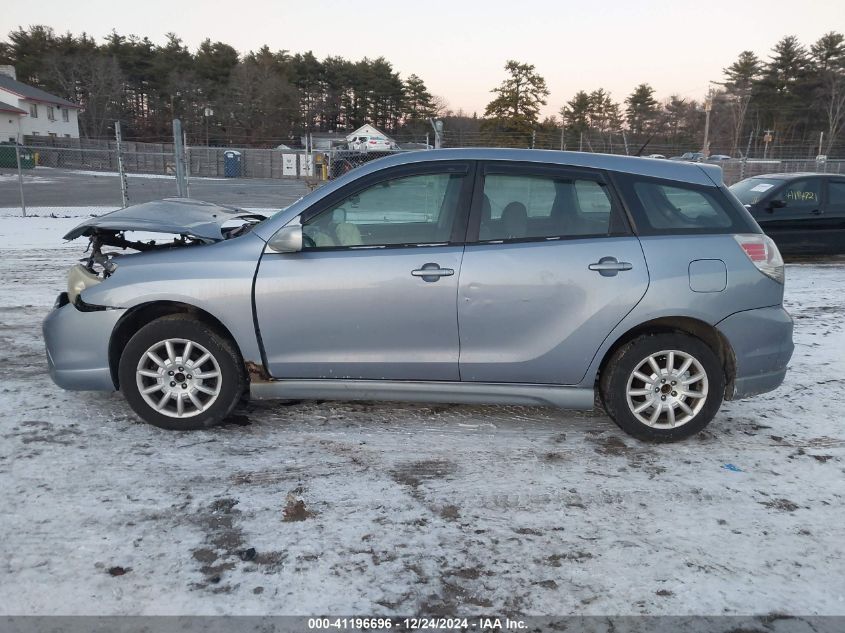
(181, 216)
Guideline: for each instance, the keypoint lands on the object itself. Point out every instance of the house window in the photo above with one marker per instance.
(51, 113)
(36, 133)
(33, 110)
(52, 134)
(65, 115)
(67, 135)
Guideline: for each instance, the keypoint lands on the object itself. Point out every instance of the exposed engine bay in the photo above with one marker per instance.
(189, 222)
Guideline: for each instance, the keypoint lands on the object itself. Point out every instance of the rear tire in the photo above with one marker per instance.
(663, 387)
(178, 373)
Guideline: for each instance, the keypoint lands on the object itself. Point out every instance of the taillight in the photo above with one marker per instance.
(763, 253)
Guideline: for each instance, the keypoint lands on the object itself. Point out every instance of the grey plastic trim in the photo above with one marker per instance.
(426, 391)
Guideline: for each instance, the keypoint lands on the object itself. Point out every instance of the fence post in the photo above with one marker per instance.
(118, 137)
(187, 164)
(20, 177)
(179, 158)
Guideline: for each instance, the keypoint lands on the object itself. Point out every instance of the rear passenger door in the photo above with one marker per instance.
(550, 268)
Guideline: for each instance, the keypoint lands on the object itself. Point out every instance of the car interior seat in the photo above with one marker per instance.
(514, 221)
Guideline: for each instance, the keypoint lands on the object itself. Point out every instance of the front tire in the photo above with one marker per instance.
(663, 387)
(178, 373)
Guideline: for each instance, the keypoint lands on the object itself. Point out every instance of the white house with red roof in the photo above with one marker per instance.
(29, 111)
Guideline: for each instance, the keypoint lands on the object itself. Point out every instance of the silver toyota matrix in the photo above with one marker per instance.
(467, 276)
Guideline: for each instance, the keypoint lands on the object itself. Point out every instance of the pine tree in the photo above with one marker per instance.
(518, 99)
(741, 77)
(641, 109)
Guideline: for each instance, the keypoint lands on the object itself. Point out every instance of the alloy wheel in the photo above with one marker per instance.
(667, 389)
(178, 378)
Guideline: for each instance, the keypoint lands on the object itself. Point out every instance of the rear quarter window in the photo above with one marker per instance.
(669, 207)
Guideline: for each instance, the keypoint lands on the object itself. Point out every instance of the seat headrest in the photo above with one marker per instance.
(515, 212)
(515, 220)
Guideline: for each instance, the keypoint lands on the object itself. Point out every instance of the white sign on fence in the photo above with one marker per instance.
(288, 164)
(306, 165)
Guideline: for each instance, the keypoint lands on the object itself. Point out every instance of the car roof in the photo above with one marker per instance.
(695, 173)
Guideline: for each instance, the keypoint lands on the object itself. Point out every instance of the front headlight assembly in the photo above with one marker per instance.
(78, 279)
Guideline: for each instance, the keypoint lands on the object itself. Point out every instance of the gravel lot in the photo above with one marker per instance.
(383, 508)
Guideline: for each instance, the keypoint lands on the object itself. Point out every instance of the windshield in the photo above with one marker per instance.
(750, 190)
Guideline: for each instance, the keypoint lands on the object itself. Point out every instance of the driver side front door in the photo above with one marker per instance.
(373, 293)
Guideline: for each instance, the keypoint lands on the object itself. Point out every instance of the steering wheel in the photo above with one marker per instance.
(308, 241)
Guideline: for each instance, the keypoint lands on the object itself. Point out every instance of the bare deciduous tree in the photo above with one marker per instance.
(95, 82)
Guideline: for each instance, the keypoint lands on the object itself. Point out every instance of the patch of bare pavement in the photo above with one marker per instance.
(318, 507)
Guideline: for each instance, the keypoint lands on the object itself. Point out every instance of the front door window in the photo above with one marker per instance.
(801, 196)
(403, 211)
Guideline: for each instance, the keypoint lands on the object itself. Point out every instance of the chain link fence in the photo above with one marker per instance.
(736, 170)
(79, 179)
(49, 176)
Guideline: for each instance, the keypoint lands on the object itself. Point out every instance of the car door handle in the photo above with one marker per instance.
(432, 272)
(816, 211)
(609, 266)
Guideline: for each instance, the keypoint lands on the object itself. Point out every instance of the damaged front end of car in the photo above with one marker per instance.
(187, 222)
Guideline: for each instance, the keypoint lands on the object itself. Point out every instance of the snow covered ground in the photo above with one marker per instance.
(383, 508)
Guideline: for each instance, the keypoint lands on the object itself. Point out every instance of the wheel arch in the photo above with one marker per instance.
(144, 313)
(708, 334)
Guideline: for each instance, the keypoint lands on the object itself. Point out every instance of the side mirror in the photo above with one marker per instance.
(288, 239)
(775, 203)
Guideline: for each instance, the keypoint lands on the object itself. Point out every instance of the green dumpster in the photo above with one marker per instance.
(9, 159)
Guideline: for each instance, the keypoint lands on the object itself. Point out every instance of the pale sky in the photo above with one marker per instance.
(460, 47)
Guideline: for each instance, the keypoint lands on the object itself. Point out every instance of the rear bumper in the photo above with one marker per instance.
(78, 347)
(762, 344)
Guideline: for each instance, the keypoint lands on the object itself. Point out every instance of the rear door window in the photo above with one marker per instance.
(524, 206)
(836, 197)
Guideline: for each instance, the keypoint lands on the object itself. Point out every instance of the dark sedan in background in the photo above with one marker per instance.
(804, 213)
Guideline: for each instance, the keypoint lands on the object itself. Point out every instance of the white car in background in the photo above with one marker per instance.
(368, 143)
